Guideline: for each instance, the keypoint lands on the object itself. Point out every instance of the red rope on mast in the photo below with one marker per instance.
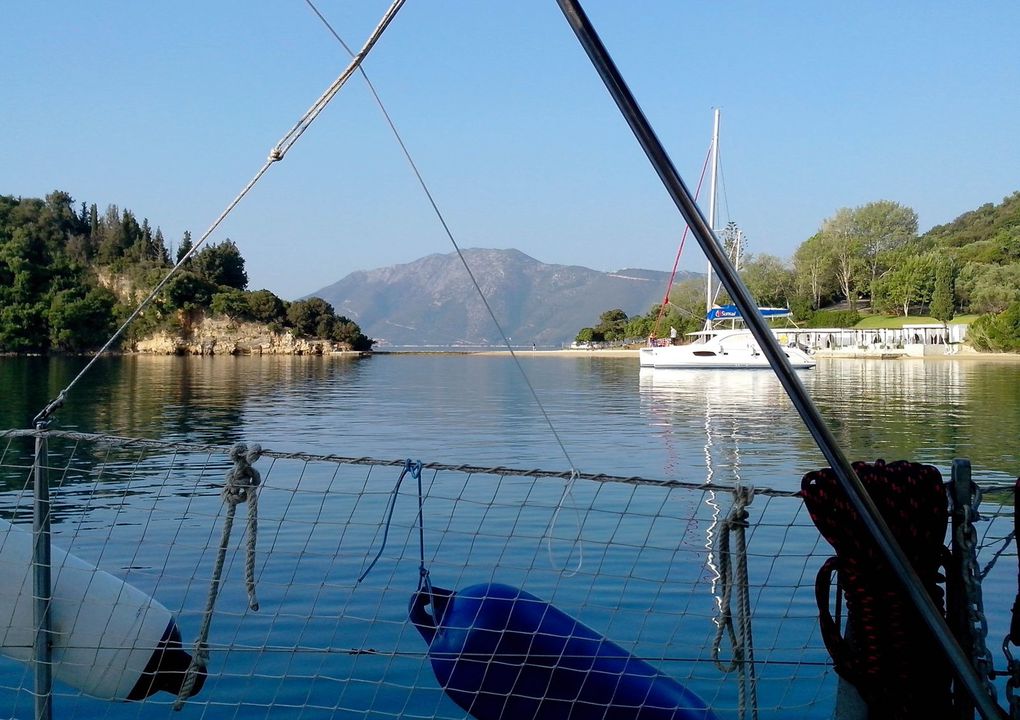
(683, 239)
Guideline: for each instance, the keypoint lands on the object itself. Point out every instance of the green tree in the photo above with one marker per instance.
(639, 326)
(734, 243)
(23, 327)
(883, 227)
(943, 302)
(187, 291)
(686, 309)
(612, 324)
(988, 223)
(264, 306)
(911, 282)
(80, 318)
(51, 253)
(111, 241)
(347, 331)
(999, 332)
(132, 243)
(843, 250)
(309, 317)
(814, 272)
(159, 249)
(769, 279)
(986, 288)
(185, 246)
(222, 265)
(94, 222)
(232, 303)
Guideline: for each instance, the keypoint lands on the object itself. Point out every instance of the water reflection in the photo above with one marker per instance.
(153, 516)
(930, 411)
(450, 408)
(736, 408)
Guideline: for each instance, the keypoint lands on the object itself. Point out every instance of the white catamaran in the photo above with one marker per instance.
(715, 346)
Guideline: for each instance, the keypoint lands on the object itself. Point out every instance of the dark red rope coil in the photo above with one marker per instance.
(888, 652)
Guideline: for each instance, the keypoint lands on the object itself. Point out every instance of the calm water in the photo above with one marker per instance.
(644, 575)
(477, 409)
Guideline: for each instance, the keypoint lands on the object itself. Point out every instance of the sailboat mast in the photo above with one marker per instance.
(709, 294)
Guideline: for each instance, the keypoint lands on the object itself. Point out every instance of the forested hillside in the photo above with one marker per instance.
(69, 275)
(871, 259)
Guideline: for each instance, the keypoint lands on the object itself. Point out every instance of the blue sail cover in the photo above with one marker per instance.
(730, 312)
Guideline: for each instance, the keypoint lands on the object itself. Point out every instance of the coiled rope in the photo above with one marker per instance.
(733, 576)
(241, 486)
(888, 654)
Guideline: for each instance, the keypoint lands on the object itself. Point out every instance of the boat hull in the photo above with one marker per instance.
(720, 350)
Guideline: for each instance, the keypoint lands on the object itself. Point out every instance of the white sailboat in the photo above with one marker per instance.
(715, 346)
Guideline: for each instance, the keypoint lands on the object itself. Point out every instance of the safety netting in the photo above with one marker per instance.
(403, 588)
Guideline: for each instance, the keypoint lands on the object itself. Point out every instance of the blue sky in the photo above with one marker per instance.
(169, 108)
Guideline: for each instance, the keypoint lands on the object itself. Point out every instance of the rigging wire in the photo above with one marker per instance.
(568, 486)
(679, 251)
(278, 152)
(449, 234)
(823, 436)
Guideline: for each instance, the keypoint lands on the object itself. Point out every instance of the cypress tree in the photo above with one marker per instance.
(943, 303)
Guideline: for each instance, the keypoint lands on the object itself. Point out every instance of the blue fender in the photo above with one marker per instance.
(500, 652)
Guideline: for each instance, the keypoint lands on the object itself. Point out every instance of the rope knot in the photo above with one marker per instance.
(743, 495)
(733, 577)
(243, 479)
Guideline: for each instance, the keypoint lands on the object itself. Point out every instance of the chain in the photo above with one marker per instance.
(966, 539)
(1014, 680)
(1013, 636)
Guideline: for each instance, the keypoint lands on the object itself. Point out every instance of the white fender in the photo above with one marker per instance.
(110, 639)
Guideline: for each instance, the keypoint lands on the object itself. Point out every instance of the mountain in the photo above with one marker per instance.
(432, 301)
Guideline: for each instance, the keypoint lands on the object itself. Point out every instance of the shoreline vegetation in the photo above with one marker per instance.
(965, 353)
(70, 275)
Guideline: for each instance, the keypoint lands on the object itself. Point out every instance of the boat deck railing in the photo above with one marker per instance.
(648, 563)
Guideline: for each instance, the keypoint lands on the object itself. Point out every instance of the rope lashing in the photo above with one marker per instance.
(894, 662)
(733, 576)
(241, 486)
(413, 467)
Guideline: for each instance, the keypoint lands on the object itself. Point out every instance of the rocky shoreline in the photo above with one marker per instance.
(216, 336)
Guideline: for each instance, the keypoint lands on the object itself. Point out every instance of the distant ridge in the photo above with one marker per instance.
(431, 301)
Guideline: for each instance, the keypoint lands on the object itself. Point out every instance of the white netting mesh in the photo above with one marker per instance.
(323, 645)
